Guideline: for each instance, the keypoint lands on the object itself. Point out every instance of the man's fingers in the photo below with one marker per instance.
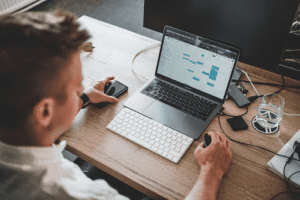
(214, 136)
(200, 146)
(109, 78)
(228, 144)
(110, 99)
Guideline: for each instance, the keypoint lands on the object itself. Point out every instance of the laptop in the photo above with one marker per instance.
(190, 83)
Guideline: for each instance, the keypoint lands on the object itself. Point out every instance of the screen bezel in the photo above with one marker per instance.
(233, 49)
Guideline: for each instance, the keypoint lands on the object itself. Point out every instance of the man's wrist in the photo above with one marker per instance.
(85, 99)
(210, 173)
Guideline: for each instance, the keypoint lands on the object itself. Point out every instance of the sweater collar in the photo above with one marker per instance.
(31, 155)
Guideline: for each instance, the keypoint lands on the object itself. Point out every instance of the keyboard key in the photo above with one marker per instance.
(164, 154)
(142, 137)
(118, 131)
(189, 139)
(109, 126)
(174, 153)
(161, 141)
(159, 151)
(117, 121)
(179, 145)
(139, 141)
(123, 133)
(166, 149)
(179, 140)
(154, 149)
(151, 142)
(169, 156)
(175, 159)
(185, 142)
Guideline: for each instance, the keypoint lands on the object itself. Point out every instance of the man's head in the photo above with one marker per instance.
(40, 71)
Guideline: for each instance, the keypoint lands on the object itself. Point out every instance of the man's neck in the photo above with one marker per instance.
(22, 139)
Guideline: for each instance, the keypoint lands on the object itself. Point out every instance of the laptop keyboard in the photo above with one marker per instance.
(180, 99)
(151, 135)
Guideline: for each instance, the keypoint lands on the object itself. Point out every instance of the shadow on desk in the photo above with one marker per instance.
(94, 173)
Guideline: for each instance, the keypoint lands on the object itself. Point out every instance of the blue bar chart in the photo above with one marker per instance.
(212, 75)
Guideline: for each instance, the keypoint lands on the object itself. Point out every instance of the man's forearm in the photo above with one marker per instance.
(206, 187)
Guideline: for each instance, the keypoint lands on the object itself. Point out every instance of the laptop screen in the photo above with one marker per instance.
(198, 62)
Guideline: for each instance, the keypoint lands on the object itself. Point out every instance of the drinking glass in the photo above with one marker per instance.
(270, 111)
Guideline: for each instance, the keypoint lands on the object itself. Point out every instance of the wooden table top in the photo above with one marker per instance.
(88, 138)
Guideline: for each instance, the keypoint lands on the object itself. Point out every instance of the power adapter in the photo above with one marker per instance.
(237, 123)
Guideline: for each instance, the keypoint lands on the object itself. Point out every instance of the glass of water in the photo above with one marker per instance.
(270, 111)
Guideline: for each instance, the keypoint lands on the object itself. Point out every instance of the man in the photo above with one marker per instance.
(41, 93)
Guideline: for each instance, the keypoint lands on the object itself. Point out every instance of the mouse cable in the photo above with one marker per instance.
(141, 51)
(222, 113)
(291, 158)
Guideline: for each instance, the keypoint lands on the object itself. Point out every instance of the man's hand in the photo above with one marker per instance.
(216, 157)
(214, 162)
(96, 93)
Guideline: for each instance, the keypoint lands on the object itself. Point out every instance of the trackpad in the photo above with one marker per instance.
(166, 114)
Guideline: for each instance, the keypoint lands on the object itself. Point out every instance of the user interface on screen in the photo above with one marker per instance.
(197, 62)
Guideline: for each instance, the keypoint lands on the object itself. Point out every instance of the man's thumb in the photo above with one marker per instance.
(111, 99)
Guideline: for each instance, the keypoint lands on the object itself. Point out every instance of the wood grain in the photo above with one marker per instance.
(88, 138)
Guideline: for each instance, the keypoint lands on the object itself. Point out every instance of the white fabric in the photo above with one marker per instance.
(43, 173)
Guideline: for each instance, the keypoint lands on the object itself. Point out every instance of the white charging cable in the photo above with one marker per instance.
(250, 81)
(141, 51)
(297, 115)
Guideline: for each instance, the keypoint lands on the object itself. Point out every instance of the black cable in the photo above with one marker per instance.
(287, 191)
(280, 194)
(286, 181)
(253, 98)
(222, 113)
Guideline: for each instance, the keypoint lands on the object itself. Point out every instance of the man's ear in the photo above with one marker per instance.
(43, 111)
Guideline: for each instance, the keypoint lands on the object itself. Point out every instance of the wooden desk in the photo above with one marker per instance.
(247, 177)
